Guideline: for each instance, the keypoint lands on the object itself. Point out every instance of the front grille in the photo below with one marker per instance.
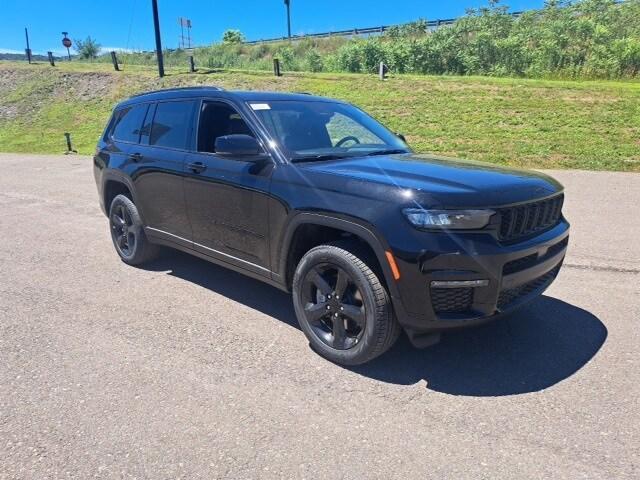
(523, 263)
(553, 249)
(520, 264)
(451, 300)
(524, 220)
(509, 296)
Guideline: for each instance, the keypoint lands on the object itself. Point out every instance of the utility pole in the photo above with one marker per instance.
(28, 50)
(288, 4)
(156, 25)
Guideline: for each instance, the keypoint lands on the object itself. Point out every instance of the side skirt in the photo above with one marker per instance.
(222, 259)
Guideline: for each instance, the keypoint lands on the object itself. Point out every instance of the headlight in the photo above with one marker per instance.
(448, 219)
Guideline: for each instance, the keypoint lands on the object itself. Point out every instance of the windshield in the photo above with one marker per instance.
(316, 130)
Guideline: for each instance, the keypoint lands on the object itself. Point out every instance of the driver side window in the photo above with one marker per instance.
(341, 127)
(218, 119)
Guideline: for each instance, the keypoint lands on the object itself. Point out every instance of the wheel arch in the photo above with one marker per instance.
(113, 185)
(365, 233)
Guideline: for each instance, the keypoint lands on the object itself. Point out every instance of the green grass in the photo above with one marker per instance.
(592, 125)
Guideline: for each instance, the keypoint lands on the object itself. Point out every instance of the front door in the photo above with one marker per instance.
(227, 198)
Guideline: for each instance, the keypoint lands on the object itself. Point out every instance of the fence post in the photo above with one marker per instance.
(276, 67)
(114, 60)
(382, 71)
(69, 147)
(51, 60)
(192, 65)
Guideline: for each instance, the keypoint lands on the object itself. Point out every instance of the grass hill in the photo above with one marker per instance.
(534, 123)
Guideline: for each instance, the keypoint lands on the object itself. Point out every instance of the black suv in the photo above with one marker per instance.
(315, 197)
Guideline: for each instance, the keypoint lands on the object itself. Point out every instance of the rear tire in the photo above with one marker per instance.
(342, 306)
(127, 233)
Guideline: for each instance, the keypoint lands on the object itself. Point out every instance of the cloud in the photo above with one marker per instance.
(56, 52)
(104, 50)
(10, 50)
(61, 52)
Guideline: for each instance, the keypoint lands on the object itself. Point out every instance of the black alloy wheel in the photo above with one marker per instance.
(123, 231)
(342, 305)
(127, 233)
(333, 306)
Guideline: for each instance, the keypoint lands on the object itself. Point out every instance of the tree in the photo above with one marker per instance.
(232, 36)
(87, 48)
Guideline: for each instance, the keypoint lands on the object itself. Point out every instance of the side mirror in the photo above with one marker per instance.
(238, 146)
(401, 137)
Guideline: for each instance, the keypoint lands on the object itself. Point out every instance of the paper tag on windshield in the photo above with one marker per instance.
(260, 106)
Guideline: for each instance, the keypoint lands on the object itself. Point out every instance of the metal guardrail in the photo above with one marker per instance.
(430, 26)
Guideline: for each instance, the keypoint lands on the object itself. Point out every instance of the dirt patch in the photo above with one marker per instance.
(24, 92)
(10, 80)
(84, 86)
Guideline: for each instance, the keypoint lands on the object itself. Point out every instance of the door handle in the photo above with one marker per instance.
(197, 167)
(136, 157)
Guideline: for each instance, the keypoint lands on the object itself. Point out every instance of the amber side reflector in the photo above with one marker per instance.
(392, 264)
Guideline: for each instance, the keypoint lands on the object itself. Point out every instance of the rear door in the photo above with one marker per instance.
(227, 198)
(165, 138)
(122, 136)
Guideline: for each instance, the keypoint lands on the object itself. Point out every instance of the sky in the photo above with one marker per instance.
(128, 24)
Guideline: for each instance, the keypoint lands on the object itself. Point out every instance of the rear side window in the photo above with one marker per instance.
(172, 124)
(128, 123)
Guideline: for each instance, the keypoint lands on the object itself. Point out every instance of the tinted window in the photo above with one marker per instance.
(145, 131)
(171, 124)
(128, 123)
(340, 126)
(216, 120)
(308, 129)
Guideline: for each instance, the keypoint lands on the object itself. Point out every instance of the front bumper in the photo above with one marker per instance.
(509, 276)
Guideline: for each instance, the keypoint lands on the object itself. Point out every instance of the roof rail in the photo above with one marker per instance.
(196, 87)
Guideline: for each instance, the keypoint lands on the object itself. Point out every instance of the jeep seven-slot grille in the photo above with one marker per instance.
(523, 220)
(451, 300)
(509, 296)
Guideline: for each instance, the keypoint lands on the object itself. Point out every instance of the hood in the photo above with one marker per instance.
(439, 181)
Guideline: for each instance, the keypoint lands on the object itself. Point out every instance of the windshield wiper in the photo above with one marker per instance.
(390, 151)
(320, 157)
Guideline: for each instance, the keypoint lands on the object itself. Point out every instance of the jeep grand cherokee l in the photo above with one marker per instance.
(315, 197)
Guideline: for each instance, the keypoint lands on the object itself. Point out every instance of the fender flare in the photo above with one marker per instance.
(365, 232)
(116, 176)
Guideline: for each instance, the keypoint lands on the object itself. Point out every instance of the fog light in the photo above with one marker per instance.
(459, 283)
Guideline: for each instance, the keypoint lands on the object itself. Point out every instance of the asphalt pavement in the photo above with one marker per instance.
(186, 370)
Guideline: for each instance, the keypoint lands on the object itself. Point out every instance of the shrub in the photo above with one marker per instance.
(313, 61)
(87, 48)
(348, 57)
(232, 36)
(287, 58)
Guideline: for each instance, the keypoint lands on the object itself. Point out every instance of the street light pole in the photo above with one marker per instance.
(156, 25)
(288, 4)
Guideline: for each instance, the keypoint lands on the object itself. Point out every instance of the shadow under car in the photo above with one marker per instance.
(534, 348)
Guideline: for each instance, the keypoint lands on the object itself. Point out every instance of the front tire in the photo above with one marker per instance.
(342, 306)
(127, 233)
